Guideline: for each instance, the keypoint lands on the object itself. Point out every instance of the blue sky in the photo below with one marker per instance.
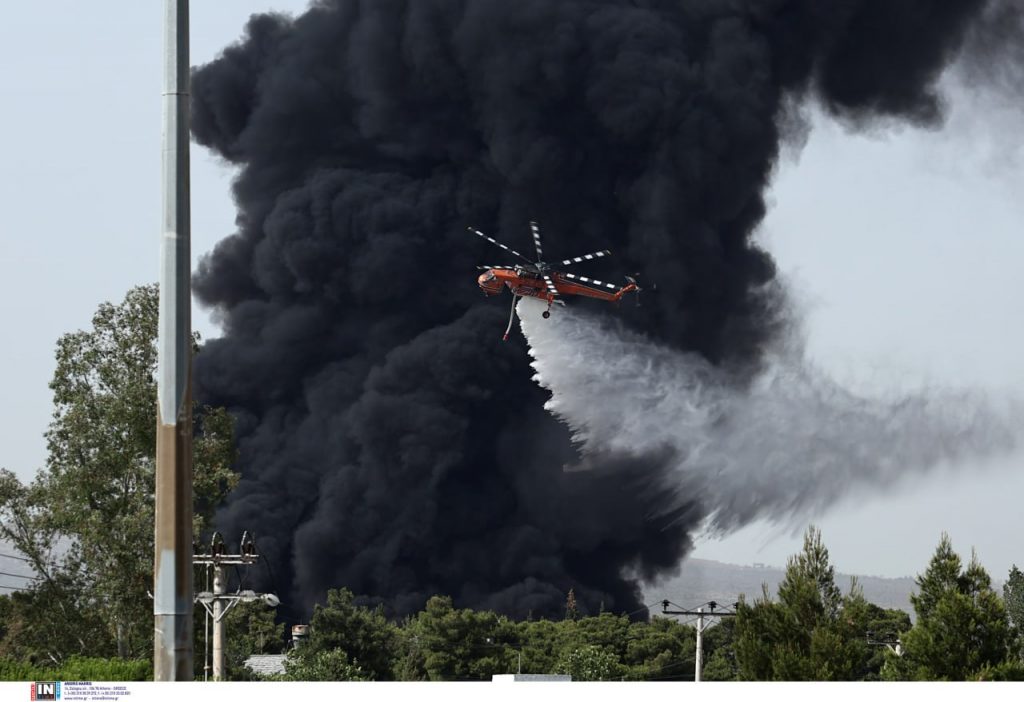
(903, 249)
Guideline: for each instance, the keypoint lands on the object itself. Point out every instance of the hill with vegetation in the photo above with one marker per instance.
(703, 580)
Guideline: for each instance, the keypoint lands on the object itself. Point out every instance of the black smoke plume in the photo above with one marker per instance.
(389, 441)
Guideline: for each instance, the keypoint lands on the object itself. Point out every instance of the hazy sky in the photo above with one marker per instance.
(902, 248)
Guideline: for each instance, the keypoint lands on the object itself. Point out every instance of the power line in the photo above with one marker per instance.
(219, 602)
(642, 609)
(16, 589)
(661, 669)
(700, 626)
(17, 558)
(15, 575)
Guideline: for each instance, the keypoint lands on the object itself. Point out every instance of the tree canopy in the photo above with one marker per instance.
(962, 626)
(86, 521)
(813, 631)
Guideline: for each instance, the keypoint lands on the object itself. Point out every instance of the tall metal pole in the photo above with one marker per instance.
(219, 588)
(172, 563)
(700, 644)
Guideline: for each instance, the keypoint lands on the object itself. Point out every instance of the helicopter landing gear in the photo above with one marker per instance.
(546, 314)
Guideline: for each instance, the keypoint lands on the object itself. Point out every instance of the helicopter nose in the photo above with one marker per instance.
(489, 284)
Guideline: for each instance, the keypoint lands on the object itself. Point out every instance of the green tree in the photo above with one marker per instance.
(78, 668)
(444, 643)
(322, 666)
(51, 618)
(720, 651)
(720, 667)
(1013, 597)
(90, 511)
(884, 628)
(962, 627)
(540, 642)
(590, 662)
(52, 621)
(365, 635)
(659, 649)
(812, 633)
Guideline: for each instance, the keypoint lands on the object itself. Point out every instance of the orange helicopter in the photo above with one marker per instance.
(541, 280)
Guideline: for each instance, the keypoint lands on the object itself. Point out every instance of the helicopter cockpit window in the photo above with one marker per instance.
(488, 276)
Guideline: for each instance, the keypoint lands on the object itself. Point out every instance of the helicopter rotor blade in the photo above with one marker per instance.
(536, 240)
(551, 285)
(585, 257)
(591, 281)
(498, 243)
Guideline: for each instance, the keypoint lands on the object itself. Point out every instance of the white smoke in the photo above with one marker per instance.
(788, 445)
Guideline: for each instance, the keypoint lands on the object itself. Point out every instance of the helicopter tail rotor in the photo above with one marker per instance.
(635, 285)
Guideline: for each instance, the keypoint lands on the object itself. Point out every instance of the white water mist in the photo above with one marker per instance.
(788, 445)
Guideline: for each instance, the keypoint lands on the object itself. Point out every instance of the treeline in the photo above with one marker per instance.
(348, 642)
(83, 533)
(808, 630)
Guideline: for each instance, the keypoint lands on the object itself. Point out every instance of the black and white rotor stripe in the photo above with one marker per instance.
(536, 241)
(585, 257)
(551, 285)
(591, 281)
(498, 243)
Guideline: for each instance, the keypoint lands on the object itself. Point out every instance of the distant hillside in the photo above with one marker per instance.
(701, 581)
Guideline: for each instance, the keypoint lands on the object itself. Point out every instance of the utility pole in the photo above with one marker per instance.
(891, 641)
(172, 557)
(699, 662)
(219, 612)
(219, 602)
(700, 614)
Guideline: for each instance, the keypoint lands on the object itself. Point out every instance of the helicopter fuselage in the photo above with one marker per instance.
(525, 283)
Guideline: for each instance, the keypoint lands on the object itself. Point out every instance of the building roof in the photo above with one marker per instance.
(266, 664)
(530, 677)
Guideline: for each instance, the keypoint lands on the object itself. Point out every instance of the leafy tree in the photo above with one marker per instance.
(52, 618)
(590, 663)
(51, 621)
(883, 628)
(608, 631)
(1008, 671)
(812, 633)
(540, 642)
(661, 649)
(961, 628)
(85, 668)
(322, 666)
(1013, 597)
(720, 667)
(89, 515)
(444, 643)
(365, 635)
(720, 651)
(79, 668)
